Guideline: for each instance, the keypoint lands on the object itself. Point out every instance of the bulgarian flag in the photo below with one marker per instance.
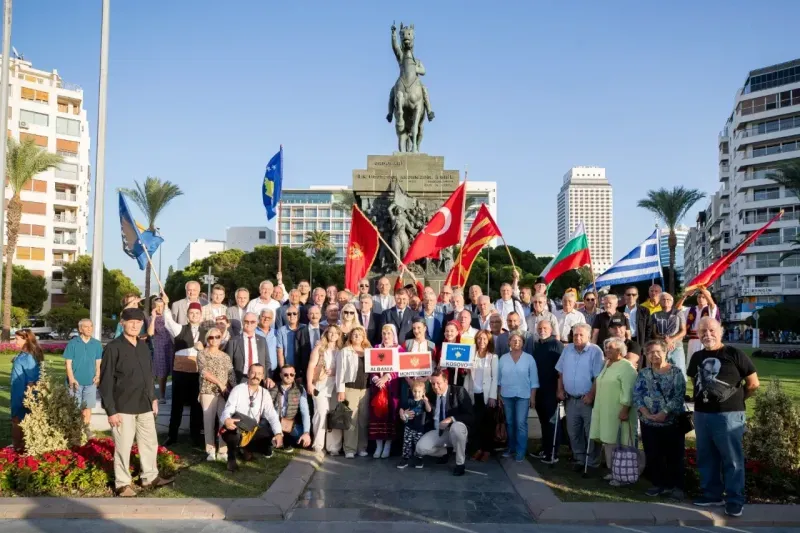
(574, 254)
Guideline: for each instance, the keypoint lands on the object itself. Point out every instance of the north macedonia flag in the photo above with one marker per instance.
(483, 230)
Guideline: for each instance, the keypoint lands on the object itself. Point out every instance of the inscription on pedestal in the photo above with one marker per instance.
(415, 173)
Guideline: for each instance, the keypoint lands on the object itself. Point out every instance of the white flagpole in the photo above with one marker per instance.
(4, 120)
(96, 311)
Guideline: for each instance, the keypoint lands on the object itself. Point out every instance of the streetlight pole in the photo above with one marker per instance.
(96, 311)
(4, 120)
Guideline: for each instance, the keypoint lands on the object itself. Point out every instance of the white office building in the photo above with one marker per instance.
(55, 204)
(586, 196)
(320, 208)
(246, 238)
(198, 250)
(762, 131)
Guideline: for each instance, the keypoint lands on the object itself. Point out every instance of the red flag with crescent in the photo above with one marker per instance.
(443, 229)
(361, 249)
(483, 230)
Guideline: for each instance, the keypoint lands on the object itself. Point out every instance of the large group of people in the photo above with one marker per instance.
(270, 371)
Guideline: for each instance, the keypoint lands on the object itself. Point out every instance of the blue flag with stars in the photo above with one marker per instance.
(273, 183)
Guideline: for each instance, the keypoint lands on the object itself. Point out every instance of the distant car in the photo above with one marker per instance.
(72, 334)
(53, 335)
(39, 329)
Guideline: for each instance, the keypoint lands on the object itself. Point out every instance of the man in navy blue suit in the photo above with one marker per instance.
(372, 322)
(400, 315)
(434, 319)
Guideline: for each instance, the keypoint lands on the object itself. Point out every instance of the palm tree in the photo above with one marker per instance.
(152, 199)
(23, 162)
(788, 175)
(671, 207)
(317, 241)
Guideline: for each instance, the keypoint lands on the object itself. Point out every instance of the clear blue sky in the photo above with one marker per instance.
(202, 93)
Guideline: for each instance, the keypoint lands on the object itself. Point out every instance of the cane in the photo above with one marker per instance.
(586, 464)
(555, 435)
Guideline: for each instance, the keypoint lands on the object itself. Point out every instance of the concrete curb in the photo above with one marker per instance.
(274, 504)
(545, 507)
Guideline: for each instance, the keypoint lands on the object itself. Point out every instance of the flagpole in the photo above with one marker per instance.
(96, 305)
(4, 120)
(378, 233)
(280, 244)
(508, 252)
(152, 268)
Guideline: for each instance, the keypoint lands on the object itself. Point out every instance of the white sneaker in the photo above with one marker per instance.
(378, 449)
(387, 450)
(212, 456)
(363, 453)
(349, 456)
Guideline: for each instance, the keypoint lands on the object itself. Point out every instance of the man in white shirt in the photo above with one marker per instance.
(507, 303)
(539, 313)
(466, 330)
(485, 312)
(264, 300)
(383, 301)
(568, 317)
(252, 400)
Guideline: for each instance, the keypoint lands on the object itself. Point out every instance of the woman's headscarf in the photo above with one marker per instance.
(394, 333)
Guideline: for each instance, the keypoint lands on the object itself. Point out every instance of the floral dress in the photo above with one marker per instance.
(219, 365)
(163, 349)
(660, 393)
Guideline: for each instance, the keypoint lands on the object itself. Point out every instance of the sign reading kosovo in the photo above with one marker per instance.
(457, 355)
(414, 364)
(380, 360)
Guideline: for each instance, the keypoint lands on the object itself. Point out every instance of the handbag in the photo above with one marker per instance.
(340, 418)
(500, 429)
(685, 417)
(625, 459)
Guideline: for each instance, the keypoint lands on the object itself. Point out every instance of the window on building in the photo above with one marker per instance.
(66, 126)
(66, 147)
(297, 226)
(793, 261)
(311, 226)
(310, 212)
(39, 140)
(338, 213)
(285, 212)
(284, 226)
(297, 239)
(770, 260)
(58, 275)
(32, 117)
(338, 225)
(285, 238)
(324, 212)
(789, 234)
(325, 226)
(263, 234)
(768, 238)
(763, 282)
(791, 281)
(67, 171)
(766, 193)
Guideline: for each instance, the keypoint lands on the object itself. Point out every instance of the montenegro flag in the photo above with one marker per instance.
(483, 230)
(361, 249)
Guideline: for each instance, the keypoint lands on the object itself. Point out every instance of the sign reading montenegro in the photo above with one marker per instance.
(414, 364)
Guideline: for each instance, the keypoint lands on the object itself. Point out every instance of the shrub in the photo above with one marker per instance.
(9, 348)
(773, 436)
(54, 420)
(85, 470)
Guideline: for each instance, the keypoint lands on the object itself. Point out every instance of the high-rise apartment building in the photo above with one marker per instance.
(762, 131)
(319, 208)
(681, 232)
(55, 204)
(586, 197)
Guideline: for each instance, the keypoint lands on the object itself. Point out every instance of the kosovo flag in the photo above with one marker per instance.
(133, 238)
(273, 183)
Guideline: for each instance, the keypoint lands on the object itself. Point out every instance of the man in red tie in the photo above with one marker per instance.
(248, 349)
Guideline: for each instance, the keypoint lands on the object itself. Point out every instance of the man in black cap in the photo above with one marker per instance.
(618, 328)
(129, 398)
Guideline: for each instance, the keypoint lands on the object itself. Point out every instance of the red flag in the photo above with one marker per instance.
(361, 249)
(708, 276)
(442, 230)
(483, 230)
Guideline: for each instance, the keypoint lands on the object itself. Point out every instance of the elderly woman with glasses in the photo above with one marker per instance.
(216, 371)
(611, 420)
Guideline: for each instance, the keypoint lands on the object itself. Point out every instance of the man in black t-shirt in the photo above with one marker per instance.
(718, 372)
(602, 321)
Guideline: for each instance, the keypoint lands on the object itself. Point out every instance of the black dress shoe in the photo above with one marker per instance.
(459, 470)
(170, 441)
(232, 466)
(443, 459)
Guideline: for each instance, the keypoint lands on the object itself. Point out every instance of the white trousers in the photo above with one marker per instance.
(324, 439)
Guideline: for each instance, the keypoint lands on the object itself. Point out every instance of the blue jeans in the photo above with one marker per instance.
(517, 424)
(677, 358)
(720, 455)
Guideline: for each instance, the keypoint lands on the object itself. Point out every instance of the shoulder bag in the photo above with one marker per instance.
(685, 417)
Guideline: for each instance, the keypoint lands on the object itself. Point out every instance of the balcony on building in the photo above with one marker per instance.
(69, 106)
(65, 240)
(63, 258)
(65, 195)
(63, 217)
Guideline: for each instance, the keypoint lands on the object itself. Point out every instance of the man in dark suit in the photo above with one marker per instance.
(247, 349)
(638, 316)
(400, 316)
(372, 322)
(458, 306)
(453, 417)
(307, 338)
(236, 312)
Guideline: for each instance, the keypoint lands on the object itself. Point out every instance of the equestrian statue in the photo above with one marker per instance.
(408, 98)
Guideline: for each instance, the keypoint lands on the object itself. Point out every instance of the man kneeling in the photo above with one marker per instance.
(291, 403)
(452, 418)
(250, 420)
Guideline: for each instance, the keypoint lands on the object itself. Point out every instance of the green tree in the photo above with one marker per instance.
(65, 318)
(23, 161)
(788, 175)
(152, 199)
(28, 290)
(19, 318)
(78, 285)
(318, 242)
(170, 271)
(671, 207)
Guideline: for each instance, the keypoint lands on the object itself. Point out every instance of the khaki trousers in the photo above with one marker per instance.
(436, 445)
(212, 405)
(143, 428)
(355, 438)
(329, 440)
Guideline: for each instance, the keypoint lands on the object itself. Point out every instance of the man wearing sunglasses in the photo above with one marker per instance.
(291, 403)
(589, 307)
(247, 350)
(288, 340)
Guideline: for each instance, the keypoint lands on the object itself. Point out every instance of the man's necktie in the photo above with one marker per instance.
(249, 353)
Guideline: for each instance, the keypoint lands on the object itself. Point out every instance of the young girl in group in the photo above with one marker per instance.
(414, 416)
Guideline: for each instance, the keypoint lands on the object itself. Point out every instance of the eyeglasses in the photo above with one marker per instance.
(631, 294)
(348, 313)
(250, 322)
(590, 299)
(214, 337)
(291, 314)
(287, 375)
(365, 285)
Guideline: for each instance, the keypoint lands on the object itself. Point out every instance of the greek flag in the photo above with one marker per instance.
(642, 263)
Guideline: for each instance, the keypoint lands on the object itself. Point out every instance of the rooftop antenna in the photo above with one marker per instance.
(17, 55)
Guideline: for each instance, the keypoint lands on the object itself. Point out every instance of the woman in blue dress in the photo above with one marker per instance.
(24, 373)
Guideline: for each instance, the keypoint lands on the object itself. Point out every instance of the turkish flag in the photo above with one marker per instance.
(483, 230)
(443, 229)
(361, 249)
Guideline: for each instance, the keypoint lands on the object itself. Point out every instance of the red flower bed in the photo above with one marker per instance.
(85, 470)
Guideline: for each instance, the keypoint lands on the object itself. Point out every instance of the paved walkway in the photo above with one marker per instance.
(367, 489)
